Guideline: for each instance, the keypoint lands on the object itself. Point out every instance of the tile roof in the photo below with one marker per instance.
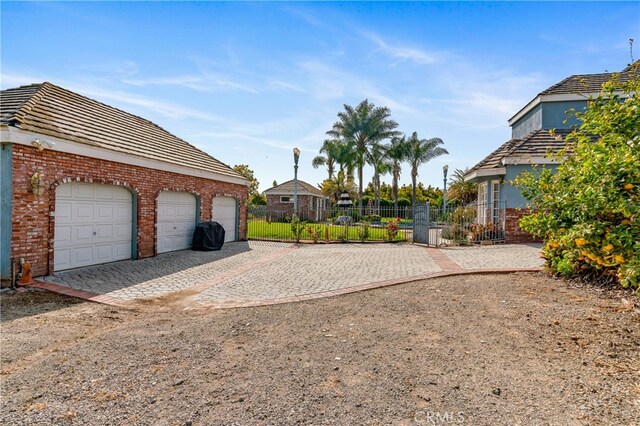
(51, 110)
(589, 83)
(287, 188)
(536, 144)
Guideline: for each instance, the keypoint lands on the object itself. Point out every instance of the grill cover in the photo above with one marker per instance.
(208, 236)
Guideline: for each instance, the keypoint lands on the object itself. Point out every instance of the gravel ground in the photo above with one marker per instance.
(478, 349)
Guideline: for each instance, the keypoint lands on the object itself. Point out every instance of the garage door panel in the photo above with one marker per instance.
(62, 259)
(103, 212)
(63, 212)
(91, 227)
(84, 191)
(81, 234)
(122, 212)
(63, 235)
(224, 212)
(176, 220)
(122, 232)
(83, 212)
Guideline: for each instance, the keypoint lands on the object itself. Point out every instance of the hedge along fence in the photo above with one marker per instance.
(339, 225)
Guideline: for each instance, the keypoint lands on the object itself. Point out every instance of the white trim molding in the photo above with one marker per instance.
(23, 137)
(530, 160)
(498, 171)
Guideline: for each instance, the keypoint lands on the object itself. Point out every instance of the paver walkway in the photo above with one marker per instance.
(259, 273)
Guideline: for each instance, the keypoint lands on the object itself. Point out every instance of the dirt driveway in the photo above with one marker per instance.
(475, 349)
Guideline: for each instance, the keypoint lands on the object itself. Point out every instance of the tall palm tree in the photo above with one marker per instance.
(378, 159)
(363, 125)
(330, 150)
(422, 151)
(397, 152)
(460, 190)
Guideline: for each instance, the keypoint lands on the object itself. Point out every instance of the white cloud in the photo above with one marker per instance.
(402, 53)
(202, 83)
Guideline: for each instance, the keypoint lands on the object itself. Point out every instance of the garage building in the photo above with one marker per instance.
(84, 183)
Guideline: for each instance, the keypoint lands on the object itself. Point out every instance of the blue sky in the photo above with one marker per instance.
(247, 82)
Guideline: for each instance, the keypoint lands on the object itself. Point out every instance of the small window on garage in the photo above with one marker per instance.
(286, 199)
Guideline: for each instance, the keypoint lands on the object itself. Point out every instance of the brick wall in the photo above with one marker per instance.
(513, 233)
(33, 221)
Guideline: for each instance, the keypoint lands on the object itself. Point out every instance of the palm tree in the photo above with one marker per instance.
(397, 152)
(329, 148)
(421, 151)
(363, 125)
(460, 190)
(378, 159)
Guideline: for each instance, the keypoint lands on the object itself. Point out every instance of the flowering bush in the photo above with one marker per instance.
(314, 232)
(489, 231)
(589, 210)
(392, 227)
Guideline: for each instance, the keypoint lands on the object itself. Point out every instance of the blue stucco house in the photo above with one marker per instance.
(499, 202)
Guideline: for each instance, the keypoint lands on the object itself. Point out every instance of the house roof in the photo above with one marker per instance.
(576, 85)
(286, 188)
(51, 110)
(535, 145)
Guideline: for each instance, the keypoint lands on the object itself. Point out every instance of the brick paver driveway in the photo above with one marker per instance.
(258, 273)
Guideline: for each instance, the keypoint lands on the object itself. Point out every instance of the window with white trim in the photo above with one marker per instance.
(482, 203)
(495, 201)
(286, 199)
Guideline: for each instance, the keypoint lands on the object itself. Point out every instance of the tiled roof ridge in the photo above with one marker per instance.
(31, 101)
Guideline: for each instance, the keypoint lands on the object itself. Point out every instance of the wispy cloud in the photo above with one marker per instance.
(286, 86)
(202, 83)
(401, 52)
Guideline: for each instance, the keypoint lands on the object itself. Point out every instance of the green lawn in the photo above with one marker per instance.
(260, 229)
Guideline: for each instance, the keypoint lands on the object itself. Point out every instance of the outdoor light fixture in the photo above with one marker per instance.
(445, 169)
(40, 143)
(296, 157)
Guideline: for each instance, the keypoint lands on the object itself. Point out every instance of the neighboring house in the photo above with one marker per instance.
(312, 203)
(84, 183)
(499, 202)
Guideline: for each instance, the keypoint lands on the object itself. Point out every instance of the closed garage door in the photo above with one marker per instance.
(176, 220)
(92, 225)
(224, 212)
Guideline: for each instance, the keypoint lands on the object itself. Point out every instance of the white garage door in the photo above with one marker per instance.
(93, 225)
(176, 220)
(224, 212)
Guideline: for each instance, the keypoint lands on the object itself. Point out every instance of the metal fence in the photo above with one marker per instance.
(463, 225)
(330, 225)
(433, 225)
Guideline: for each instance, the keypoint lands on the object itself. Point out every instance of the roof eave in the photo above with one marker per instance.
(496, 171)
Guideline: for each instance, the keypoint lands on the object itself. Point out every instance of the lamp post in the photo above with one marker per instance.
(296, 156)
(445, 169)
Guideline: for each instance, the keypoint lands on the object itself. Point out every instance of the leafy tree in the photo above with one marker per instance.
(397, 152)
(461, 191)
(363, 126)
(423, 195)
(258, 199)
(332, 188)
(588, 212)
(245, 171)
(274, 183)
(421, 151)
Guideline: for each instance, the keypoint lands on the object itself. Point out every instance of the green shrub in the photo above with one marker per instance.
(363, 231)
(588, 212)
(297, 228)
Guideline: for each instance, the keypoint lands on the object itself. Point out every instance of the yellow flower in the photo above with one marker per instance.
(580, 242)
(608, 247)
(619, 259)
(628, 186)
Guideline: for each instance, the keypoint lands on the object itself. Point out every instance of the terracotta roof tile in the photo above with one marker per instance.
(51, 110)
